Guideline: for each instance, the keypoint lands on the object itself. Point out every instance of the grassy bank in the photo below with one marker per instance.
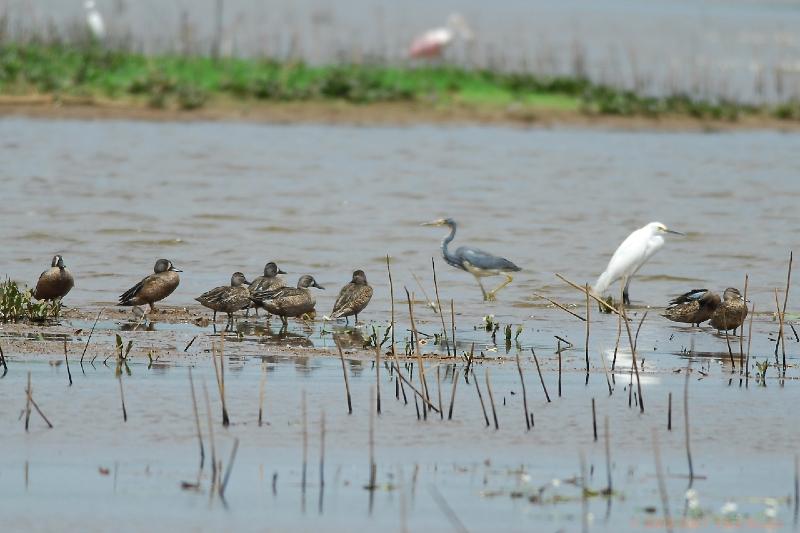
(193, 82)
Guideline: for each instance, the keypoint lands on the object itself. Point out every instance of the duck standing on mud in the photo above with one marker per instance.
(731, 313)
(288, 301)
(54, 283)
(477, 262)
(228, 299)
(269, 281)
(693, 307)
(154, 287)
(353, 297)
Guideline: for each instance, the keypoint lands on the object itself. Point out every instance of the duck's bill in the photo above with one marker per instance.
(173, 269)
(319, 286)
(674, 232)
(281, 271)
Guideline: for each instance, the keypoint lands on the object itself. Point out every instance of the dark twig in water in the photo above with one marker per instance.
(633, 356)
(588, 323)
(563, 308)
(346, 380)
(686, 421)
(373, 469)
(749, 337)
(190, 343)
(607, 439)
(414, 389)
(3, 361)
(439, 307)
(558, 351)
(541, 379)
(452, 517)
(524, 393)
(594, 421)
(391, 295)
(662, 488)
(211, 440)
(491, 400)
(304, 417)
(669, 412)
(228, 469)
(453, 324)
(480, 398)
(616, 346)
(66, 359)
(90, 334)
(423, 380)
(197, 421)
(122, 399)
(31, 402)
(728, 342)
(741, 329)
(453, 395)
(783, 312)
(220, 374)
(638, 329)
(378, 378)
(439, 391)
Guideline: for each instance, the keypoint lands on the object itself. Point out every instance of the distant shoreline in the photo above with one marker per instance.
(383, 114)
(90, 82)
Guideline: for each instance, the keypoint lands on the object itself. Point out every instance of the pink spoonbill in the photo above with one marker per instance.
(433, 42)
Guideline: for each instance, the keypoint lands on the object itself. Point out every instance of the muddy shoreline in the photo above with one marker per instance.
(374, 114)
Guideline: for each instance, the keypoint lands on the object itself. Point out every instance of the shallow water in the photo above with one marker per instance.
(113, 196)
(487, 477)
(741, 49)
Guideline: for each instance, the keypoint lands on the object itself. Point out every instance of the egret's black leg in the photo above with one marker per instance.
(625, 298)
(284, 321)
(356, 319)
(347, 321)
(215, 317)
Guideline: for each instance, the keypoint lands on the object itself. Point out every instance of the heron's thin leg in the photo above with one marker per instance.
(483, 291)
(508, 280)
(215, 317)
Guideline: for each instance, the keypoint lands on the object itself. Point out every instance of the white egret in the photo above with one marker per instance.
(630, 256)
(94, 20)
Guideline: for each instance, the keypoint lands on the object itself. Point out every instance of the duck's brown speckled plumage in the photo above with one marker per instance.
(731, 313)
(693, 307)
(55, 282)
(228, 299)
(154, 287)
(270, 281)
(288, 301)
(353, 297)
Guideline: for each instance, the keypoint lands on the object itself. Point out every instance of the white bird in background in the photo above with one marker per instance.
(94, 20)
(433, 42)
(630, 256)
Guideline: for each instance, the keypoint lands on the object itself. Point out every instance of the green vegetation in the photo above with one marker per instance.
(17, 304)
(192, 82)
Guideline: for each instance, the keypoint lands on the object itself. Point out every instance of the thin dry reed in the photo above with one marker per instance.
(541, 379)
(122, 399)
(346, 379)
(197, 421)
(480, 398)
(524, 393)
(491, 400)
(391, 296)
(261, 387)
(439, 307)
(90, 334)
(686, 422)
(66, 359)
(453, 395)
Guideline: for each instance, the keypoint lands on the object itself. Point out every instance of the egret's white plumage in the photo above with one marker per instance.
(433, 42)
(631, 255)
(94, 20)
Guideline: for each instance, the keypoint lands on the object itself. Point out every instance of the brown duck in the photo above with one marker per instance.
(55, 282)
(269, 281)
(154, 287)
(693, 307)
(288, 301)
(228, 299)
(731, 313)
(353, 297)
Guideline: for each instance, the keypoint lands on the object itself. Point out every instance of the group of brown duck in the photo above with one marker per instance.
(270, 293)
(267, 292)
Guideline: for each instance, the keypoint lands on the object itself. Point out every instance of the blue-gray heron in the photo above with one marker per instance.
(477, 262)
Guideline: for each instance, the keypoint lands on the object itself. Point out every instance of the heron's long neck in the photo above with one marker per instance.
(448, 257)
